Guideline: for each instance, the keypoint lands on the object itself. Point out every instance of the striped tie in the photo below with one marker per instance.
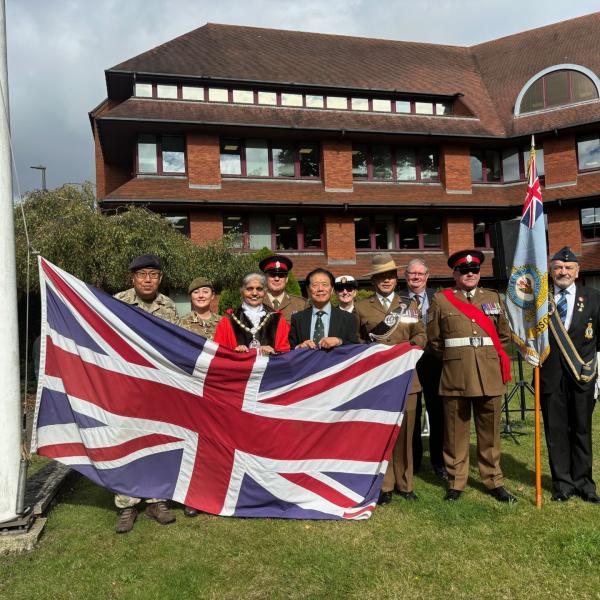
(561, 305)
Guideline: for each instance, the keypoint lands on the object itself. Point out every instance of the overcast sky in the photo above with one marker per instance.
(58, 51)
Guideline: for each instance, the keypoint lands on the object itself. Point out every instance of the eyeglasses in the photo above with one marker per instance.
(415, 274)
(465, 270)
(147, 275)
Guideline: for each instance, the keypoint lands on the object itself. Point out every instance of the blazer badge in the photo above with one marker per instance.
(580, 305)
(589, 331)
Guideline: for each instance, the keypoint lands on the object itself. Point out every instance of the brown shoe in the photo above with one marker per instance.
(159, 511)
(127, 517)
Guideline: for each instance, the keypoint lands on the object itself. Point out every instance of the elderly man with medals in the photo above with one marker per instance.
(467, 327)
(253, 326)
(568, 379)
(387, 318)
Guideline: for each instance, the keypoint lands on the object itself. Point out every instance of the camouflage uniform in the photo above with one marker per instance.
(192, 322)
(162, 306)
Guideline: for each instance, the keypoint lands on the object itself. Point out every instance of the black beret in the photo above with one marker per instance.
(144, 261)
(566, 255)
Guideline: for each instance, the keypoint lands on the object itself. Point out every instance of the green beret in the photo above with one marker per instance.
(200, 282)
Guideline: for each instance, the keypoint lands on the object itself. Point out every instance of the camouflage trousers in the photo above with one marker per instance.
(122, 501)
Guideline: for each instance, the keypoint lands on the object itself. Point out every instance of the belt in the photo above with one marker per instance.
(468, 341)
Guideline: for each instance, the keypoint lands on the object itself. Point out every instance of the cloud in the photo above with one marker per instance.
(59, 49)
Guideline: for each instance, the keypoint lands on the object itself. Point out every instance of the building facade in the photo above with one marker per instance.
(330, 148)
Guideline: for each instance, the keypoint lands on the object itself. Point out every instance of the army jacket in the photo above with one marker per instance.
(290, 304)
(192, 322)
(162, 306)
(468, 370)
(370, 313)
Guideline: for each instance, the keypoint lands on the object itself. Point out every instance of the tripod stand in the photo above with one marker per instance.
(520, 386)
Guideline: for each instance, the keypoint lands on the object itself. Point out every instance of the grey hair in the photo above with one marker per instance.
(250, 277)
(415, 261)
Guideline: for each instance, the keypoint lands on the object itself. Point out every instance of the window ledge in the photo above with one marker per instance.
(555, 108)
(156, 176)
(270, 179)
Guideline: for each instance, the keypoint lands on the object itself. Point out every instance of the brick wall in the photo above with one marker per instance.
(108, 177)
(339, 239)
(337, 165)
(457, 233)
(455, 168)
(205, 226)
(203, 158)
(564, 229)
(560, 160)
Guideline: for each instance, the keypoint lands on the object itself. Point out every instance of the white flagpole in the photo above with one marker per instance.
(10, 410)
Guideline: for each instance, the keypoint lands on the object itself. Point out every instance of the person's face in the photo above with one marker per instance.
(276, 283)
(254, 292)
(346, 295)
(320, 289)
(466, 278)
(385, 283)
(416, 278)
(564, 273)
(201, 298)
(146, 282)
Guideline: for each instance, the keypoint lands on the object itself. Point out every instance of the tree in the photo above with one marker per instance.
(65, 226)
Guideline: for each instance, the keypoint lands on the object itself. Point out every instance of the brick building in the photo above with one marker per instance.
(329, 148)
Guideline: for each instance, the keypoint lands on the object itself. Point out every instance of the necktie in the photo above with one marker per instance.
(386, 303)
(319, 333)
(561, 305)
(276, 304)
(419, 300)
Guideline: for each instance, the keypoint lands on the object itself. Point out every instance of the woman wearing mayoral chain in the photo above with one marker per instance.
(253, 325)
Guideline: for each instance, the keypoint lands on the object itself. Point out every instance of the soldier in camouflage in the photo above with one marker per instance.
(146, 276)
(201, 320)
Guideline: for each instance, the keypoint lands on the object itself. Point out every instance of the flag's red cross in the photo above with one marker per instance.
(217, 416)
(532, 206)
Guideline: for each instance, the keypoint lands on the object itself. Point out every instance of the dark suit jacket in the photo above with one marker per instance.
(554, 366)
(341, 325)
(404, 291)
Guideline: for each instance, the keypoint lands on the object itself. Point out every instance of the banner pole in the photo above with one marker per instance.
(538, 455)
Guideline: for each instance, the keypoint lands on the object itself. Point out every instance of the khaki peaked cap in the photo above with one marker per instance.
(382, 263)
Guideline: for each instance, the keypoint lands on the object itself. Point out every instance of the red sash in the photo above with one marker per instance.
(487, 325)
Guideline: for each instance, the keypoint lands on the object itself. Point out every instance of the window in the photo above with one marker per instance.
(588, 152)
(385, 163)
(483, 225)
(423, 108)
(403, 106)
(557, 88)
(337, 102)
(267, 97)
(291, 100)
(510, 164)
(261, 158)
(143, 90)
(192, 93)
(243, 96)
(281, 232)
(218, 95)
(386, 232)
(166, 91)
(179, 221)
(360, 103)
(160, 155)
(314, 101)
(382, 105)
(590, 223)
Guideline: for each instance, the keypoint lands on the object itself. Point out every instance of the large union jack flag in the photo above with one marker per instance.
(533, 208)
(145, 408)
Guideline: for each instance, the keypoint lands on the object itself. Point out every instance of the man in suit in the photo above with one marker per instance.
(322, 326)
(276, 269)
(390, 319)
(429, 369)
(467, 327)
(568, 380)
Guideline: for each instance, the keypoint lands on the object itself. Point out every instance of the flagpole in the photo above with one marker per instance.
(10, 397)
(538, 453)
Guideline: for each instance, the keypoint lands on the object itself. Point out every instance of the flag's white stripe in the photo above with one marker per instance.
(203, 365)
(119, 462)
(128, 335)
(177, 380)
(369, 351)
(352, 388)
(337, 486)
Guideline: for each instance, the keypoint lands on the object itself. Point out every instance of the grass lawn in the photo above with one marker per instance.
(474, 548)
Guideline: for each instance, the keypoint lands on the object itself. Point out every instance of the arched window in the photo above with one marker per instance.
(557, 86)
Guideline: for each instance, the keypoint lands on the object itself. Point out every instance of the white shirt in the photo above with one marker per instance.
(382, 300)
(254, 313)
(571, 293)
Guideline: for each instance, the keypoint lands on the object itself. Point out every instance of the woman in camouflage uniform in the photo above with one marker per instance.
(201, 319)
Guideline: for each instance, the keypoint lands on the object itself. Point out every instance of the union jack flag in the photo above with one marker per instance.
(533, 208)
(145, 408)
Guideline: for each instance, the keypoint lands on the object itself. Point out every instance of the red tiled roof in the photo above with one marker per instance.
(489, 75)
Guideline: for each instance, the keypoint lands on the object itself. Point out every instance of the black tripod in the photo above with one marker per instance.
(520, 386)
